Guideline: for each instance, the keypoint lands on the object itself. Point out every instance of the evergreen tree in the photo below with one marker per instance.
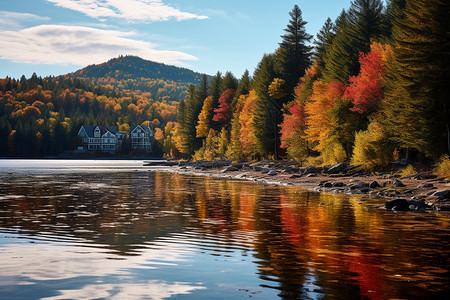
(243, 88)
(229, 81)
(294, 52)
(267, 111)
(354, 31)
(416, 108)
(324, 39)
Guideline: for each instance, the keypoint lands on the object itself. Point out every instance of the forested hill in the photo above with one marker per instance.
(133, 67)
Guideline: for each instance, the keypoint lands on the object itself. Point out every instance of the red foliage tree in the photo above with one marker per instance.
(366, 89)
(293, 126)
(224, 113)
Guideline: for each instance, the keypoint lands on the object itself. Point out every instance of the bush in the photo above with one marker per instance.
(409, 170)
(372, 148)
(443, 167)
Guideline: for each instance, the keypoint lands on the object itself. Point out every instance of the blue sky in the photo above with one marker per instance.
(54, 37)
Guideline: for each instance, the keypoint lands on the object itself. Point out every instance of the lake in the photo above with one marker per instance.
(99, 229)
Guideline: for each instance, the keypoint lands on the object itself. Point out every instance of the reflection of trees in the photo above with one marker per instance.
(118, 210)
(302, 248)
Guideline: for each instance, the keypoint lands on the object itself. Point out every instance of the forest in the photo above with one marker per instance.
(368, 89)
(42, 116)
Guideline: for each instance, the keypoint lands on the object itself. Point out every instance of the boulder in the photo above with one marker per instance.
(442, 193)
(231, 169)
(374, 184)
(338, 184)
(359, 185)
(426, 185)
(416, 205)
(271, 173)
(328, 184)
(397, 204)
(312, 170)
(337, 168)
(397, 183)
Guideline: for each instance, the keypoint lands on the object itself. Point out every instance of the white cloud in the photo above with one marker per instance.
(13, 20)
(78, 45)
(132, 10)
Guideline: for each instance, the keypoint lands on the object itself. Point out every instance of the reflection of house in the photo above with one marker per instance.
(101, 138)
(141, 138)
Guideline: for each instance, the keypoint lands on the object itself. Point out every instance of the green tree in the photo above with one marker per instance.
(354, 31)
(416, 108)
(294, 52)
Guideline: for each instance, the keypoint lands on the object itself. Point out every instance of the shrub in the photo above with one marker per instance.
(443, 167)
(409, 170)
(372, 148)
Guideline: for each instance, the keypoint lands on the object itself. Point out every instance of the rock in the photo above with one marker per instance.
(327, 184)
(311, 170)
(443, 208)
(397, 183)
(398, 204)
(337, 168)
(230, 169)
(374, 184)
(295, 176)
(311, 175)
(291, 170)
(364, 190)
(416, 205)
(442, 193)
(237, 166)
(359, 185)
(272, 173)
(257, 169)
(426, 185)
(338, 184)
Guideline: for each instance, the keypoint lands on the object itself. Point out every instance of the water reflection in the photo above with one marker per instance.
(154, 235)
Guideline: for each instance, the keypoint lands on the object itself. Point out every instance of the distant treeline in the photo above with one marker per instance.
(42, 116)
(372, 89)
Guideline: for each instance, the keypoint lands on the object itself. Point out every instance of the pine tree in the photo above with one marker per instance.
(243, 88)
(416, 108)
(324, 39)
(294, 52)
(355, 29)
(267, 111)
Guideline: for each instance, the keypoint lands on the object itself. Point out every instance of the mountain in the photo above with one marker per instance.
(133, 67)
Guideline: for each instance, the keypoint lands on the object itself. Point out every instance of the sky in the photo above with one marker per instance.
(55, 37)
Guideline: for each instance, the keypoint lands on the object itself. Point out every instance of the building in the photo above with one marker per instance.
(141, 138)
(101, 138)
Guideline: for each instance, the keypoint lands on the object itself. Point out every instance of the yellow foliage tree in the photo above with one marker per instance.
(204, 118)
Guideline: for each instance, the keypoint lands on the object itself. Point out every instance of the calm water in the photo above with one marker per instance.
(112, 229)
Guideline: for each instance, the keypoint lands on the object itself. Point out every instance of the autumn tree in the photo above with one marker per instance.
(223, 113)
(204, 118)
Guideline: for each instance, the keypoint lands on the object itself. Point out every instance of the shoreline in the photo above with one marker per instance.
(422, 192)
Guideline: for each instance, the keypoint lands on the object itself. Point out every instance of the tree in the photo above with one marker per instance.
(366, 89)
(204, 118)
(248, 126)
(294, 52)
(293, 131)
(354, 31)
(320, 119)
(324, 39)
(223, 113)
(416, 112)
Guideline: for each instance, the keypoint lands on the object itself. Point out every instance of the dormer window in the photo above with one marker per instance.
(97, 132)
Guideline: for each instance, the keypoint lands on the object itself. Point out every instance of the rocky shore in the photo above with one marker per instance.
(422, 191)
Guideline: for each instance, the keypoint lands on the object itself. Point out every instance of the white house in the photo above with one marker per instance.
(101, 138)
(141, 138)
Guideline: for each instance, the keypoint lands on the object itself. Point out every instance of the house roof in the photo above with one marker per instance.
(144, 127)
(103, 129)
